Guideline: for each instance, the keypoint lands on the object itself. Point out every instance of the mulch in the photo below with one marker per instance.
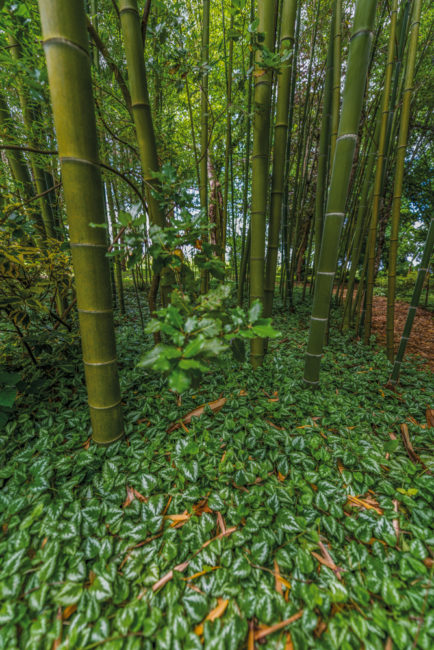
(421, 341)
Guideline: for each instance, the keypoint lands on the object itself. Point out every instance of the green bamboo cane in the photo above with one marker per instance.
(228, 143)
(362, 212)
(423, 270)
(141, 109)
(17, 163)
(286, 226)
(260, 162)
(133, 43)
(354, 90)
(117, 265)
(336, 90)
(378, 181)
(243, 268)
(248, 130)
(323, 156)
(38, 174)
(289, 8)
(399, 176)
(68, 62)
(302, 153)
(204, 277)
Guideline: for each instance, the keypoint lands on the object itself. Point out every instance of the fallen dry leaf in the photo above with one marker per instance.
(261, 634)
(213, 615)
(369, 504)
(197, 412)
(277, 583)
(68, 611)
(181, 567)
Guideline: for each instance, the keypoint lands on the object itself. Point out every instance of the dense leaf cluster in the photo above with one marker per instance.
(87, 532)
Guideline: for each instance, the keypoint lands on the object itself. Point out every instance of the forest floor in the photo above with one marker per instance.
(421, 341)
(279, 518)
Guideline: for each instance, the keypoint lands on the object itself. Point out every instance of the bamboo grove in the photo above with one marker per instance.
(266, 144)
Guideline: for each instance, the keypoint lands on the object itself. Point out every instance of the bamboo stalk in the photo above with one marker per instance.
(204, 144)
(68, 62)
(336, 90)
(378, 182)
(260, 164)
(399, 176)
(281, 127)
(354, 90)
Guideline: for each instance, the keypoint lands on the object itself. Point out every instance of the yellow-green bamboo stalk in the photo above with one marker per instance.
(289, 8)
(133, 44)
(354, 90)
(260, 164)
(360, 230)
(336, 90)
(323, 154)
(228, 143)
(68, 62)
(18, 165)
(38, 173)
(372, 235)
(203, 166)
(399, 175)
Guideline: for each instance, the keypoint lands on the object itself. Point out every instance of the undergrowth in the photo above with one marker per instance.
(283, 504)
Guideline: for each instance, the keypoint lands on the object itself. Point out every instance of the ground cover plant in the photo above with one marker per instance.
(276, 504)
(216, 324)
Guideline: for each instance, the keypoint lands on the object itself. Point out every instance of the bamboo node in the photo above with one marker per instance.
(104, 408)
(59, 40)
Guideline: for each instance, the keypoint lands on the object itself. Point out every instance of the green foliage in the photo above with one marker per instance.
(9, 382)
(31, 278)
(277, 462)
(404, 287)
(196, 333)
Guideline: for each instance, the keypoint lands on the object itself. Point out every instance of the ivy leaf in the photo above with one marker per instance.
(196, 605)
(191, 471)
(337, 591)
(240, 567)
(286, 521)
(390, 593)
(148, 482)
(101, 589)
(69, 594)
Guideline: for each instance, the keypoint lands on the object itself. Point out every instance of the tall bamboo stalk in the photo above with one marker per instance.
(141, 109)
(360, 231)
(38, 173)
(133, 43)
(246, 166)
(354, 90)
(260, 164)
(399, 175)
(323, 155)
(423, 270)
(228, 143)
(336, 90)
(379, 170)
(117, 264)
(281, 126)
(204, 131)
(68, 62)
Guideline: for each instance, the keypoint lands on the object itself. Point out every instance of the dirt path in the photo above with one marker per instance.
(421, 341)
